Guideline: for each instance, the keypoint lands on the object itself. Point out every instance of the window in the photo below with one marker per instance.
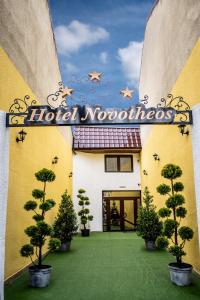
(118, 163)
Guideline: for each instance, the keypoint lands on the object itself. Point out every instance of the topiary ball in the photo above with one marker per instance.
(171, 171)
(45, 175)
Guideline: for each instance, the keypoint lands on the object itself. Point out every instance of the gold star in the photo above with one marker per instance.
(67, 92)
(127, 93)
(95, 76)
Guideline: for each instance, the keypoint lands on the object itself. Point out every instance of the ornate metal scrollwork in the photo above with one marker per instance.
(145, 100)
(181, 106)
(56, 100)
(20, 106)
(178, 103)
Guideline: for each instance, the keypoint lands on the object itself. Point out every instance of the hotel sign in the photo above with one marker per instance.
(44, 115)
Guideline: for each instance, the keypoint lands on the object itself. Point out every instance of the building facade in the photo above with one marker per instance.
(28, 66)
(170, 64)
(106, 164)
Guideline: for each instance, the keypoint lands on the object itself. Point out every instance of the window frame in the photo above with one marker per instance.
(118, 163)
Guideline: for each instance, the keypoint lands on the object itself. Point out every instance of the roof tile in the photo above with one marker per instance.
(106, 138)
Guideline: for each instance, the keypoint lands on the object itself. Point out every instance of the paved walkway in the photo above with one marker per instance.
(107, 266)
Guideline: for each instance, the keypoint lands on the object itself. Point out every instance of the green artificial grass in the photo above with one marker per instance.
(106, 266)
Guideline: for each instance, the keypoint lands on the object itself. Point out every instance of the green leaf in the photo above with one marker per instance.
(163, 189)
(186, 233)
(38, 194)
(176, 251)
(80, 202)
(164, 212)
(162, 242)
(178, 187)
(90, 218)
(51, 202)
(27, 250)
(181, 212)
(30, 205)
(45, 175)
(174, 201)
(171, 171)
(38, 218)
(54, 244)
(31, 230)
(169, 227)
(43, 228)
(45, 206)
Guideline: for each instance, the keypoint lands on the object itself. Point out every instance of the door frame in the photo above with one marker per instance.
(124, 198)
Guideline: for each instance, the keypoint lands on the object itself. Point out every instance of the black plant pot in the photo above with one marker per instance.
(85, 232)
(150, 245)
(65, 246)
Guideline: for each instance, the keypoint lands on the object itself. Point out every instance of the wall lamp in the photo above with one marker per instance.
(183, 130)
(55, 160)
(156, 157)
(70, 174)
(21, 136)
(145, 172)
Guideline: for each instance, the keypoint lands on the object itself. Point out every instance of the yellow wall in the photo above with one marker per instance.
(172, 147)
(36, 152)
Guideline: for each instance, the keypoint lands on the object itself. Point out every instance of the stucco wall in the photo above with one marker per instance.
(29, 66)
(171, 65)
(4, 161)
(171, 33)
(26, 36)
(89, 173)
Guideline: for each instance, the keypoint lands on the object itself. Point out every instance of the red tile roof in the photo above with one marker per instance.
(106, 138)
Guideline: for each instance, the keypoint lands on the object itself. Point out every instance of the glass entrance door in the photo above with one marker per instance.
(119, 214)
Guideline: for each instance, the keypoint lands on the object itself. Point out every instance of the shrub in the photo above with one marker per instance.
(65, 225)
(38, 232)
(149, 226)
(85, 217)
(172, 229)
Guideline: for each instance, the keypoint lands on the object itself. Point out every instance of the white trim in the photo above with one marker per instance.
(196, 159)
(4, 169)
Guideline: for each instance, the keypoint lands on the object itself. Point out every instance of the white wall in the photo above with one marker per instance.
(4, 157)
(196, 158)
(89, 173)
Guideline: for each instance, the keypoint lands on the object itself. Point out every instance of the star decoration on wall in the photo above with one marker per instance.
(67, 92)
(95, 76)
(126, 93)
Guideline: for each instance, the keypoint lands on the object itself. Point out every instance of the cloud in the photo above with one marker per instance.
(103, 57)
(70, 68)
(71, 38)
(130, 58)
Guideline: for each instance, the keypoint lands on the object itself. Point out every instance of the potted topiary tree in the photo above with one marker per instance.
(65, 225)
(180, 272)
(39, 273)
(149, 226)
(84, 212)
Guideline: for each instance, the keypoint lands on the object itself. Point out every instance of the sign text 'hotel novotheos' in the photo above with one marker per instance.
(96, 115)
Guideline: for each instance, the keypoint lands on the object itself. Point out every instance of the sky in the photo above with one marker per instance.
(105, 36)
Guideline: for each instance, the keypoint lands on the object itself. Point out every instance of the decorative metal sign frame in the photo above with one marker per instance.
(26, 112)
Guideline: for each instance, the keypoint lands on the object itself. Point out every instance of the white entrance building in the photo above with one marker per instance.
(106, 163)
